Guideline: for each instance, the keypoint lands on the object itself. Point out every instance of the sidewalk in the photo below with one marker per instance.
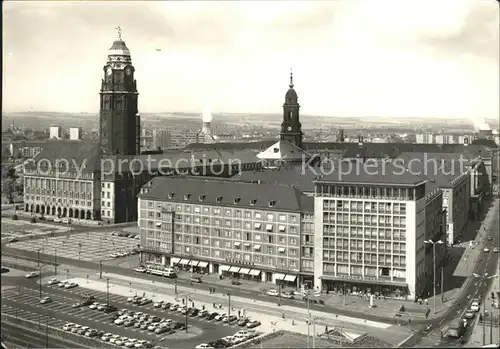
(268, 313)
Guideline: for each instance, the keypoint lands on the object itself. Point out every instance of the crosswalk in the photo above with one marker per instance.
(88, 246)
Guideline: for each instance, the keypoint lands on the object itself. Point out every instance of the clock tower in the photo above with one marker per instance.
(119, 121)
(291, 128)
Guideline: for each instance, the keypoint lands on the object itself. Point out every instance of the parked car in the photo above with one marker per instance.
(235, 282)
(203, 313)
(203, 346)
(495, 250)
(68, 326)
(71, 285)
(45, 300)
(486, 250)
(105, 337)
(164, 330)
(179, 326)
(166, 305)
(53, 281)
(212, 315)
(220, 317)
(287, 295)
(196, 280)
(140, 269)
(243, 321)
(62, 284)
(273, 293)
(101, 307)
(32, 275)
(109, 309)
(94, 306)
(193, 312)
(253, 324)
(158, 304)
(145, 301)
(231, 319)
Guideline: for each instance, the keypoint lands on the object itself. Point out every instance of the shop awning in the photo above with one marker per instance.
(184, 261)
(234, 269)
(224, 267)
(202, 264)
(244, 271)
(175, 260)
(279, 276)
(193, 263)
(254, 272)
(290, 277)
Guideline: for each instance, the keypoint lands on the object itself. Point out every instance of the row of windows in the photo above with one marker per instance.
(366, 206)
(58, 193)
(360, 271)
(53, 184)
(245, 247)
(397, 247)
(48, 200)
(218, 211)
(363, 219)
(364, 232)
(358, 257)
(369, 192)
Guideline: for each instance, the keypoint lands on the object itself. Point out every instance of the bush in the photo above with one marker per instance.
(14, 217)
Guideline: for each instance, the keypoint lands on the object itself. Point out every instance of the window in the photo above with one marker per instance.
(258, 216)
(269, 227)
(197, 209)
(257, 226)
(219, 199)
(282, 218)
(270, 217)
(282, 228)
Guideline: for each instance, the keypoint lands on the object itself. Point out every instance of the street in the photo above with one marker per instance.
(18, 336)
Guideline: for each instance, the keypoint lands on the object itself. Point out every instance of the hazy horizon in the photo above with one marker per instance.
(382, 58)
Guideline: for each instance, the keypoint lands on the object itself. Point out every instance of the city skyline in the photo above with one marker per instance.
(382, 58)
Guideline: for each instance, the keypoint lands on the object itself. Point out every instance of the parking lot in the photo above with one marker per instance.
(20, 229)
(88, 246)
(26, 303)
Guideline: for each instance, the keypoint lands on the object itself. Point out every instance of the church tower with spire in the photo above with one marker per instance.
(119, 121)
(291, 128)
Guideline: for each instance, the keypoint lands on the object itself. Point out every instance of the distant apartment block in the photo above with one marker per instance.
(161, 139)
(75, 133)
(55, 132)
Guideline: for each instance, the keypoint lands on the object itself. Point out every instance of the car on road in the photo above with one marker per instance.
(469, 315)
(474, 306)
(235, 282)
(62, 283)
(130, 343)
(133, 298)
(57, 220)
(70, 285)
(196, 280)
(220, 317)
(91, 333)
(53, 281)
(4, 269)
(166, 305)
(273, 293)
(253, 324)
(101, 307)
(231, 319)
(212, 315)
(486, 249)
(32, 275)
(495, 250)
(490, 238)
(204, 346)
(193, 312)
(174, 306)
(140, 270)
(121, 341)
(158, 304)
(45, 300)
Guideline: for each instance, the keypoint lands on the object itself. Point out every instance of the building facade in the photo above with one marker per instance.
(233, 229)
(55, 132)
(369, 236)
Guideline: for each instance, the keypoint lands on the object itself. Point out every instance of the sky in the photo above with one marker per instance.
(396, 58)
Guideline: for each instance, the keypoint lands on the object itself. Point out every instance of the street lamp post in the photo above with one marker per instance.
(186, 296)
(229, 305)
(434, 267)
(40, 283)
(55, 261)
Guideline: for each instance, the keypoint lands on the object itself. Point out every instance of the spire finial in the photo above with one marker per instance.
(119, 32)
(291, 78)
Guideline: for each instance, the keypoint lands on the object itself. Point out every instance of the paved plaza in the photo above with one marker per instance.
(12, 229)
(88, 246)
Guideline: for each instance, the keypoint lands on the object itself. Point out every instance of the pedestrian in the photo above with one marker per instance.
(213, 304)
(293, 322)
(239, 313)
(326, 329)
(203, 307)
(283, 316)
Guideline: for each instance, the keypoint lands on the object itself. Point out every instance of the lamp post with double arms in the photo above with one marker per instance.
(434, 267)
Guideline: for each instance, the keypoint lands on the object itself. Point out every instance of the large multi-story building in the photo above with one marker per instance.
(161, 139)
(370, 230)
(55, 132)
(240, 229)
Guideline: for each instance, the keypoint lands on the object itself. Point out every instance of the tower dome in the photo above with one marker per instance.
(119, 54)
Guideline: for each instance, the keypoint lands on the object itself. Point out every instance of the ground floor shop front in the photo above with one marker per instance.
(366, 288)
(228, 270)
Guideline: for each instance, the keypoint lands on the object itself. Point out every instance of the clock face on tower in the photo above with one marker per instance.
(128, 71)
(109, 71)
(289, 128)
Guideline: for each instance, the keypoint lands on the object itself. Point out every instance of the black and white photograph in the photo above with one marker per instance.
(250, 174)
